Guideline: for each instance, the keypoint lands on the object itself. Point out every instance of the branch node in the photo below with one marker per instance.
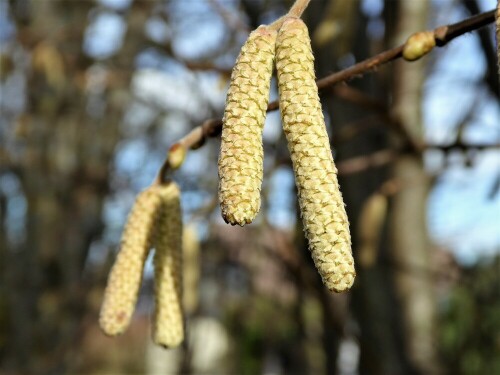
(440, 35)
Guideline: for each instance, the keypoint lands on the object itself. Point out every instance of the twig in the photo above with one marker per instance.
(360, 163)
(445, 34)
(442, 34)
(459, 145)
(298, 8)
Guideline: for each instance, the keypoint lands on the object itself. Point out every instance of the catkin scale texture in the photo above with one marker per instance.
(241, 153)
(125, 278)
(322, 208)
(168, 324)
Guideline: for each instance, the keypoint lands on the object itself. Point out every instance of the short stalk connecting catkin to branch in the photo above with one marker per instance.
(125, 278)
(168, 323)
(241, 154)
(323, 213)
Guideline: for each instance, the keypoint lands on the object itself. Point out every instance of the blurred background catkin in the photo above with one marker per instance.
(92, 94)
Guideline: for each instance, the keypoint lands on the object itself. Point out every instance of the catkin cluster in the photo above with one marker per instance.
(241, 154)
(154, 221)
(240, 164)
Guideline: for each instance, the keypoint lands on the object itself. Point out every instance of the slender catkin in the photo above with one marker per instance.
(168, 325)
(241, 154)
(323, 212)
(125, 278)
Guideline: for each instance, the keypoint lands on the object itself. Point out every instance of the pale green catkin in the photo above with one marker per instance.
(323, 213)
(125, 277)
(241, 154)
(168, 322)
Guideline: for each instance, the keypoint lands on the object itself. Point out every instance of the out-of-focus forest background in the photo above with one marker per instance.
(92, 94)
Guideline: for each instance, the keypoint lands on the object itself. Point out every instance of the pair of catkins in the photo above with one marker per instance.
(241, 157)
(154, 221)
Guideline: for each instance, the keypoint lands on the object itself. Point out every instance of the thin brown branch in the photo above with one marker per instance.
(464, 146)
(443, 35)
(352, 129)
(380, 158)
(361, 163)
(358, 97)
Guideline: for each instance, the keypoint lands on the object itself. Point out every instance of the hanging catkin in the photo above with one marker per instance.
(168, 325)
(241, 154)
(125, 278)
(323, 212)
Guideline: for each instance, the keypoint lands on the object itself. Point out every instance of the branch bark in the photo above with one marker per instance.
(410, 245)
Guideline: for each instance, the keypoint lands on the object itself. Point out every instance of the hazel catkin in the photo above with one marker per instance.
(323, 213)
(241, 153)
(168, 324)
(125, 278)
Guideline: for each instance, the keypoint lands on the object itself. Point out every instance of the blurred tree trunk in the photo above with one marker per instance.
(410, 243)
(373, 298)
(68, 147)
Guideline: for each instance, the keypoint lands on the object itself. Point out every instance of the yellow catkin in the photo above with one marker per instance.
(168, 325)
(241, 154)
(125, 278)
(323, 212)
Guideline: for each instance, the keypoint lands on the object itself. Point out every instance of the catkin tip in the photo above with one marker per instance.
(240, 217)
(343, 284)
